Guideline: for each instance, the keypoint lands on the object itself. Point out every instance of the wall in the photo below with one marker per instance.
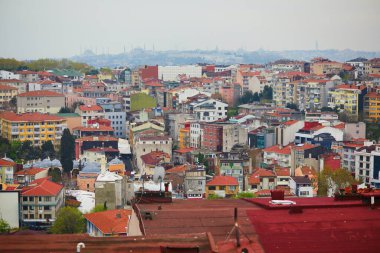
(10, 211)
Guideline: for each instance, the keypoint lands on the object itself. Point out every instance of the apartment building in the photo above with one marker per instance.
(40, 101)
(367, 165)
(371, 106)
(372, 66)
(171, 73)
(21, 85)
(89, 112)
(6, 94)
(114, 112)
(35, 127)
(40, 201)
(210, 110)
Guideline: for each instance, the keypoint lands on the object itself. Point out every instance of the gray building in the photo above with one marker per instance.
(110, 189)
(172, 123)
(195, 183)
(114, 112)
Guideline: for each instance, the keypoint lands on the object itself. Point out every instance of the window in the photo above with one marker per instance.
(46, 208)
(222, 188)
(211, 188)
(304, 193)
(31, 198)
(31, 208)
(232, 188)
(25, 208)
(31, 216)
(47, 199)
(24, 198)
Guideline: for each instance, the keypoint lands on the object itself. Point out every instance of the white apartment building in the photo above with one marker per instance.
(278, 155)
(8, 75)
(367, 165)
(195, 135)
(210, 110)
(285, 133)
(89, 112)
(170, 73)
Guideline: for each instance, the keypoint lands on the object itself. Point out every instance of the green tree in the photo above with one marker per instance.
(92, 72)
(48, 150)
(55, 174)
(267, 93)
(4, 226)
(69, 221)
(232, 111)
(28, 151)
(67, 150)
(98, 208)
(65, 110)
(334, 179)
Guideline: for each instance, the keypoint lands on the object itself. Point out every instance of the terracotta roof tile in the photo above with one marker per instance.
(90, 108)
(29, 117)
(30, 171)
(7, 87)
(41, 93)
(278, 150)
(42, 187)
(111, 221)
(4, 162)
(222, 180)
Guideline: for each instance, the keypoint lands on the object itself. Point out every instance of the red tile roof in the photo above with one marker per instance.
(222, 180)
(31, 171)
(93, 129)
(303, 146)
(340, 125)
(308, 170)
(278, 150)
(42, 187)
(41, 93)
(11, 81)
(26, 72)
(110, 221)
(90, 108)
(4, 162)
(96, 138)
(254, 178)
(29, 117)
(184, 150)
(282, 172)
(7, 87)
(372, 94)
(290, 122)
(177, 169)
(154, 157)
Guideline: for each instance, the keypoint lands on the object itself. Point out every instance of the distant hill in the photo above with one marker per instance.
(174, 57)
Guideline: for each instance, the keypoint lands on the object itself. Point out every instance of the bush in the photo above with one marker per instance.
(69, 221)
(4, 226)
(242, 195)
(213, 196)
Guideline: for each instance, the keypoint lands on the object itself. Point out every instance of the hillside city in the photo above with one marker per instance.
(275, 157)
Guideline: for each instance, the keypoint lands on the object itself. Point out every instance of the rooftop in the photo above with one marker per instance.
(29, 117)
(41, 93)
(222, 180)
(110, 221)
(42, 187)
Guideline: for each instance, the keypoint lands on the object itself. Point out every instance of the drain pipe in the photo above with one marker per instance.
(79, 246)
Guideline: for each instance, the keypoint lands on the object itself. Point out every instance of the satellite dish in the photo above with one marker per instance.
(158, 174)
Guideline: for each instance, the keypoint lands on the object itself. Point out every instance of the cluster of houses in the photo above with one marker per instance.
(169, 129)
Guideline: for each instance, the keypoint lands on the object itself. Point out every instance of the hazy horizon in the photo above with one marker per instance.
(61, 29)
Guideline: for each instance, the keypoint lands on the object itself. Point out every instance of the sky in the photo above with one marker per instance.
(31, 29)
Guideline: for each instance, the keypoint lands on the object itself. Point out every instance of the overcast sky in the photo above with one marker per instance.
(62, 28)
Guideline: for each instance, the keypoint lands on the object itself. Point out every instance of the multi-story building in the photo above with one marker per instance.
(26, 176)
(313, 129)
(27, 75)
(371, 106)
(346, 98)
(234, 164)
(224, 186)
(348, 154)
(8, 75)
(114, 112)
(210, 110)
(171, 73)
(21, 85)
(195, 135)
(261, 179)
(285, 132)
(358, 64)
(372, 66)
(89, 112)
(278, 155)
(325, 67)
(195, 183)
(40, 201)
(40, 101)
(6, 94)
(261, 137)
(35, 127)
(367, 165)
(312, 94)
(6, 170)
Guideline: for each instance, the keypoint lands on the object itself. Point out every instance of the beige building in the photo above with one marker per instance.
(326, 67)
(6, 94)
(40, 101)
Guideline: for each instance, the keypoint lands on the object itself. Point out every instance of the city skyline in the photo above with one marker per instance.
(57, 29)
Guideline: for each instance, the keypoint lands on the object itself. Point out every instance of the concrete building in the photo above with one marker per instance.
(20, 85)
(114, 112)
(261, 179)
(146, 144)
(371, 106)
(358, 64)
(195, 183)
(40, 101)
(367, 164)
(6, 94)
(10, 212)
(36, 127)
(8, 75)
(223, 186)
(210, 110)
(354, 131)
(110, 190)
(87, 176)
(27, 75)
(89, 112)
(26, 176)
(195, 135)
(41, 201)
(170, 73)
(301, 186)
(285, 132)
(7, 167)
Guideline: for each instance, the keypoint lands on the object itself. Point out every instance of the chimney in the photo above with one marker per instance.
(118, 216)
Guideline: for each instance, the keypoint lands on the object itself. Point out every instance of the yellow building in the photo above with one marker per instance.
(346, 98)
(225, 186)
(325, 67)
(7, 93)
(184, 136)
(35, 127)
(372, 106)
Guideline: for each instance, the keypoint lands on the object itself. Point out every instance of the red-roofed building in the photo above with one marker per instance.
(225, 186)
(262, 179)
(42, 101)
(41, 201)
(90, 112)
(26, 176)
(109, 223)
(36, 127)
(7, 167)
(89, 142)
(93, 130)
(285, 132)
(277, 155)
(27, 75)
(7, 92)
(153, 159)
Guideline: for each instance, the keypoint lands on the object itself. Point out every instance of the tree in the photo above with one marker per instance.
(292, 106)
(48, 150)
(65, 110)
(69, 221)
(232, 111)
(55, 174)
(267, 93)
(99, 208)
(4, 226)
(332, 180)
(67, 150)
(28, 151)
(92, 72)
